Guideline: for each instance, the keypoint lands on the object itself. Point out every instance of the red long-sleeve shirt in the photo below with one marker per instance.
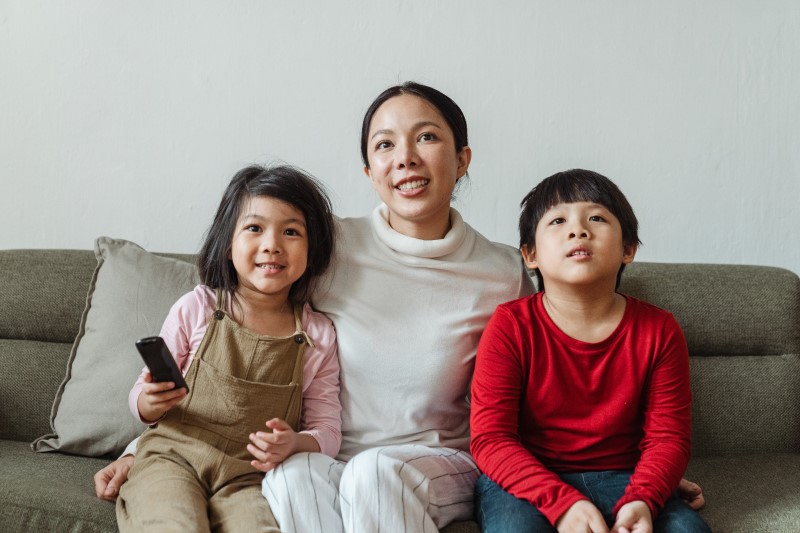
(545, 403)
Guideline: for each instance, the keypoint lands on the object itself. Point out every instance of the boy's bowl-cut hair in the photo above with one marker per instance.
(570, 186)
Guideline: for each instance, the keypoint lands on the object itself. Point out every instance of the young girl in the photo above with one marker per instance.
(249, 349)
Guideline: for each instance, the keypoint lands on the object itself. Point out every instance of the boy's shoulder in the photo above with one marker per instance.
(641, 310)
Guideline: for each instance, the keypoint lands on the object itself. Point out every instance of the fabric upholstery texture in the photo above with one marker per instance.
(130, 294)
(742, 324)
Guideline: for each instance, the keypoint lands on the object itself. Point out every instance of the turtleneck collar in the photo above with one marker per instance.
(417, 247)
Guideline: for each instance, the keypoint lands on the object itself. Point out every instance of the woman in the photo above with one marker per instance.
(410, 290)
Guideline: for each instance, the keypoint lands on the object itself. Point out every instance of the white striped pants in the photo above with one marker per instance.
(405, 488)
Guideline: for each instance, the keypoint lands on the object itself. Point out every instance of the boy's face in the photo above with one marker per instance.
(578, 244)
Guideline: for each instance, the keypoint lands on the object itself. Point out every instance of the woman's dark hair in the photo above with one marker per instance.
(282, 182)
(572, 186)
(444, 104)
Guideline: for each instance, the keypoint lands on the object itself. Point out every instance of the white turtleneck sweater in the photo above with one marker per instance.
(408, 316)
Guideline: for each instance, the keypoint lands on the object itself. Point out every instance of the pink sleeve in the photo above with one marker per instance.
(667, 425)
(322, 413)
(498, 387)
(182, 332)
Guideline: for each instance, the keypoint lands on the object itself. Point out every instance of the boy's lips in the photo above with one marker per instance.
(579, 252)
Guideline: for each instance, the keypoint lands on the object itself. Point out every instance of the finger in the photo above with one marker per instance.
(263, 467)
(276, 424)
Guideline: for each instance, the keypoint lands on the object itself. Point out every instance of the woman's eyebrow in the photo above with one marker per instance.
(418, 125)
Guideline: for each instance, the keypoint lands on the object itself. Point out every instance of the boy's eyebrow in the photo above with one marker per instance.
(416, 126)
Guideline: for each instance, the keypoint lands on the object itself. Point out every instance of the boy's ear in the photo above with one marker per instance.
(628, 253)
(529, 256)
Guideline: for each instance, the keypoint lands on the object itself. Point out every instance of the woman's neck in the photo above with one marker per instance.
(425, 230)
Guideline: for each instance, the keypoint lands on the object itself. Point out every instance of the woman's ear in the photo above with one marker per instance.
(529, 256)
(463, 157)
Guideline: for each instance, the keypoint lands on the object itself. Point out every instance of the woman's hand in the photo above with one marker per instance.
(157, 398)
(582, 517)
(271, 449)
(108, 481)
(692, 494)
(634, 517)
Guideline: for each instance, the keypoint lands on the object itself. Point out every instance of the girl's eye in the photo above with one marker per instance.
(597, 218)
(557, 221)
(292, 232)
(253, 228)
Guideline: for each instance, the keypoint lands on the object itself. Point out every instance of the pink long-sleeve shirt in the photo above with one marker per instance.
(186, 324)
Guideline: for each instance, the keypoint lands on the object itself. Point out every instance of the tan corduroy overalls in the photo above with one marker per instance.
(192, 470)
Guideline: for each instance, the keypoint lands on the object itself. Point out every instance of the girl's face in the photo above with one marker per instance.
(413, 165)
(269, 248)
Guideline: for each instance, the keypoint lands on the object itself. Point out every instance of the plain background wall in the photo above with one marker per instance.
(128, 118)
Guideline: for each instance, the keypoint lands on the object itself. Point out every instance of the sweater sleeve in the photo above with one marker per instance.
(321, 412)
(186, 319)
(497, 389)
(666, 444)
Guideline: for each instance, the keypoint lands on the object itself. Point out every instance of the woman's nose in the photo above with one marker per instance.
(407, 155)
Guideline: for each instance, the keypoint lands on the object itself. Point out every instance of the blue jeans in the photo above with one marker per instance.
(497, 511)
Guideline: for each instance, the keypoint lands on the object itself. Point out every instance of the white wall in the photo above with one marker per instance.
(127, 118)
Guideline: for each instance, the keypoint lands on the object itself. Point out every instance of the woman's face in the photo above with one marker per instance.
(413, 165)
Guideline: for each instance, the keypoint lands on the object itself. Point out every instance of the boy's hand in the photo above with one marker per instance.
(634, 517)
(582, 517)
(157, 398)
(108, 480)
(692, 494)
(271, 449)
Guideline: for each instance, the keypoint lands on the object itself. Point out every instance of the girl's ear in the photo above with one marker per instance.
(464, 157)
(628, 253)
(529, 256)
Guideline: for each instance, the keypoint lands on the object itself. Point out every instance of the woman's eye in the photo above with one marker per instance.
(427, 137)
(383, 145)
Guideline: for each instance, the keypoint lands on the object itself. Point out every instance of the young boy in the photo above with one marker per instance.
(580, 399)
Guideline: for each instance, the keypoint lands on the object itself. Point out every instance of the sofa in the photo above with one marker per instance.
(742, 324)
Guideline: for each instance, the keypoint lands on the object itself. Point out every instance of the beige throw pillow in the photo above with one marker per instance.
(129, 297)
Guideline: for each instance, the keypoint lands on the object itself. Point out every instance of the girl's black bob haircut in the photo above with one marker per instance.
(282, 182)
(444, 104)
(570, 186)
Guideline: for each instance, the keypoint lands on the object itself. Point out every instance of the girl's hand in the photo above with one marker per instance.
(157, 398)
(271, 449)
(582, 516)
(634, 517)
